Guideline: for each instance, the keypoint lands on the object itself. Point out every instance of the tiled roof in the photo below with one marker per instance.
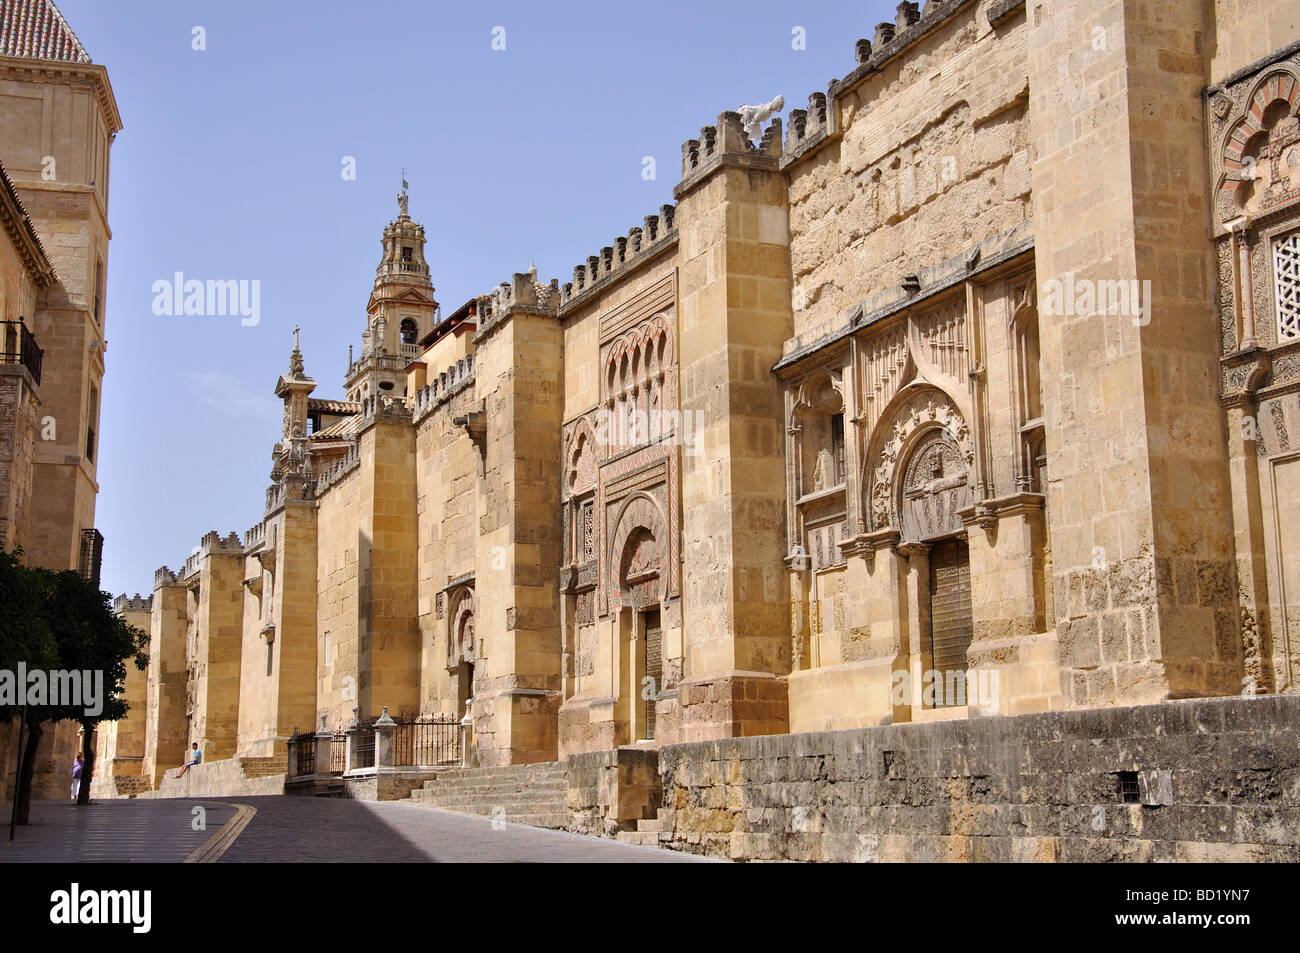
(35, 29)
(337, 430)
(328, 406)
(15, 220)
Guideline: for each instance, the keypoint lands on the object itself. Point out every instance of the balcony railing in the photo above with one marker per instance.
(92, 555)
(18, 346)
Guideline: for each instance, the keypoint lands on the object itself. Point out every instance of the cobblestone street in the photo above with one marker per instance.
(301, 829)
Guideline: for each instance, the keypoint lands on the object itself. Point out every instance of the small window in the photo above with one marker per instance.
(837, 446)
(99, 290)
(409, 331)
(1128, 788)
(270, 658)
(1286, 277)
(407, 252)
(92, 416)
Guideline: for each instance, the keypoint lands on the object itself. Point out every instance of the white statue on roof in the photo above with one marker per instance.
(753, 117)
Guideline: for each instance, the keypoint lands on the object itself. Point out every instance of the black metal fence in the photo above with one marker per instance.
(364, 753)
(430, 741)
(338, 752)
(421, 742)
(18, 346)
(306, 748)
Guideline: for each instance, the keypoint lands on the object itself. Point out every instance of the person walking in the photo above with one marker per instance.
(77, 765)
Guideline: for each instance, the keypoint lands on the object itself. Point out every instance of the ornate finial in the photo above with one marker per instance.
(295, 359)
(401, 197)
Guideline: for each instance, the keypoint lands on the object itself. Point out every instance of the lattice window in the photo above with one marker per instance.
(1286, 274)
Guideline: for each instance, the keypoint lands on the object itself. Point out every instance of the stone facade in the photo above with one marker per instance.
(1206, 780)
(58, 120)
(924, 411)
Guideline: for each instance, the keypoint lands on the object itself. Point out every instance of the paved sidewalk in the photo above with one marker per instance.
(340, 830)
(301, 829)
(111, 831)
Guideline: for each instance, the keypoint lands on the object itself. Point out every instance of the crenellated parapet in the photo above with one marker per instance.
(809, 127)
(442, 388)
(381, 406)
(339, 469)
(727, 144)
(891, 40)
(255, 536)
(163, 576)
(137, 603)
(522, 294)
(656, 233)
(212, 543)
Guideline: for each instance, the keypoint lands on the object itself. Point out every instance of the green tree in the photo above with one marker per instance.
(86, 636)
(25, 637)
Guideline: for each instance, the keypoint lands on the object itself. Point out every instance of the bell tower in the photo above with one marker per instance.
(401, 311)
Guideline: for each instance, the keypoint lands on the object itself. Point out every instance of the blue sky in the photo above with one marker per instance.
(229, 167)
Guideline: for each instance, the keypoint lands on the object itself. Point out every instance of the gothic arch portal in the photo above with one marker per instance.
(638, 563)
(921, 427)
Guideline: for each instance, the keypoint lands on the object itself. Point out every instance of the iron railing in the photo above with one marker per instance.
(338, 752)
(18, 346)
(422, 742)
(92, 555)
(306, 747)
(364, 752)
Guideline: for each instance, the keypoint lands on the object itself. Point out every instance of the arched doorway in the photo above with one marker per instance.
(462, 648)
(934, 488)
(639, 551)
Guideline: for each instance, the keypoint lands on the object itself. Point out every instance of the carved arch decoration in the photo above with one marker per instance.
(581, 460)
(638, 554)
(460, 627)
(818, 398)
(640, 383)
(920, 416)
(1024, 343)
(1255, 143)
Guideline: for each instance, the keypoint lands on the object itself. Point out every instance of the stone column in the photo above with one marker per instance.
(324, 748)
(734, 315)
(918, 622)
(1139, 499)
(385, 729)
(291, 749)
(350, 748)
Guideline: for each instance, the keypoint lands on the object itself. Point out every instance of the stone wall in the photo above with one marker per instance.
(1216, 780)
(229, 778)
(609, 791)
(447, 474)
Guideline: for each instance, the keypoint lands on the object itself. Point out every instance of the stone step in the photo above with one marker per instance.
(551, 788)
(489, 807)
(495, 796)
(555, 768)
(644, 838)
(534, 816)
(650, 825)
